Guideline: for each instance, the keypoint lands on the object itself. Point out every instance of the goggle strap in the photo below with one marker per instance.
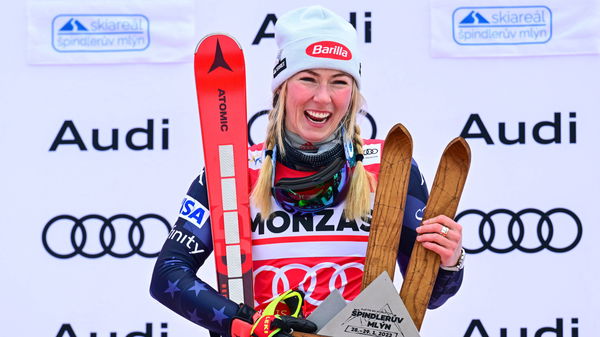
(313, 179)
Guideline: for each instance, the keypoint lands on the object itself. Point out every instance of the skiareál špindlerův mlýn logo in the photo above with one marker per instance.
(503, 25)
(100, 33)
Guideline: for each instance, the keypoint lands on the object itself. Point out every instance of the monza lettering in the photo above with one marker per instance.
(477, 329)
(223, 110)
(280, 221)
(69, 135)
(544, 132)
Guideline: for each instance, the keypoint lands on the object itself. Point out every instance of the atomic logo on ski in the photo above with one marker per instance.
(219, 61)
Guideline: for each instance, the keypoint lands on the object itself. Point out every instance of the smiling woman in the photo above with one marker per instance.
(311, 196)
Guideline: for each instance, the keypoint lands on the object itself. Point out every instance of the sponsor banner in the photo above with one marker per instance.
(529, 230)
(94, 236)
(132, 31)
(509, 28)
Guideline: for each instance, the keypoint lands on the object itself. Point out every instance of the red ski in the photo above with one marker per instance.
(221, 89)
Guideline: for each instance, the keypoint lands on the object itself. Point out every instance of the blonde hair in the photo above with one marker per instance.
(358, 199)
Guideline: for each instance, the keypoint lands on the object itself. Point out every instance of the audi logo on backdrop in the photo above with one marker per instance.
(93, 236)
(531, 230)
(261, 113)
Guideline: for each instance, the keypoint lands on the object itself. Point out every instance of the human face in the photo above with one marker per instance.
(316, 102)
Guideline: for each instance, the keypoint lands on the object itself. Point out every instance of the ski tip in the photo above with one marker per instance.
(217, 35)
(459, 147)
(399, 133)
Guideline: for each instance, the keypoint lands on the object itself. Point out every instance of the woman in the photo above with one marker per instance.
(311, 195)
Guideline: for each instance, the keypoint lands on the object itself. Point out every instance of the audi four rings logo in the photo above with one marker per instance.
(550, 228)
(77, 230)
(280, 277)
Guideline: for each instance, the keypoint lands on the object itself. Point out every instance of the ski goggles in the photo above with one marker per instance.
(326, 188)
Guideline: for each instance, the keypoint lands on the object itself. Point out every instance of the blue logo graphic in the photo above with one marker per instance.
(194, 212)
(474, 17)
(73, 25)
(508, 25)
(91, 33)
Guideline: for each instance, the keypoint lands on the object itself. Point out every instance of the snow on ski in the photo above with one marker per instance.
(445, 194)
(221, 89)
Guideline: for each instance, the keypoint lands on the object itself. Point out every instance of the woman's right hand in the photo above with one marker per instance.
(273, 321)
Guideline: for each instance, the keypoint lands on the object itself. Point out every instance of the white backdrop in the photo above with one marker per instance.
(514, 293)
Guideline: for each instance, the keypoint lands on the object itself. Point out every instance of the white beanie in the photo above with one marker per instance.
(314, 37)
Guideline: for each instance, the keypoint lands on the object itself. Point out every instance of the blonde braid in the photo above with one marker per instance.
(261, 194)
(358, 200)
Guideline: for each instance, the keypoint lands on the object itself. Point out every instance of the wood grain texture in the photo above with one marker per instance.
(388, 208)
(445, 194)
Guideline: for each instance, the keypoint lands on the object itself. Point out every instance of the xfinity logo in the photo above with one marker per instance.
(559, 329)
(137, 139)
(553, 131)
(266, 28)
(67, 330)
(100, 33)
(187, 240)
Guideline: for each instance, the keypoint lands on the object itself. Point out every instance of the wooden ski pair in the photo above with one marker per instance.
(388, 212)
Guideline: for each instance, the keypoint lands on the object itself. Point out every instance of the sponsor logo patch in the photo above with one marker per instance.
(193, 211)
(100, 33)
(508, 25)
(281, 66)
(329, 49)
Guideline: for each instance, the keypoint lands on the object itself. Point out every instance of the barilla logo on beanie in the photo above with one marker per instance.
(329, 49)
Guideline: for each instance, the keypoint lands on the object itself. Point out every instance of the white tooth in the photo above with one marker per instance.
(318, 114)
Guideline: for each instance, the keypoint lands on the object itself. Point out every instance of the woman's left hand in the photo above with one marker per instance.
(443, 236)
